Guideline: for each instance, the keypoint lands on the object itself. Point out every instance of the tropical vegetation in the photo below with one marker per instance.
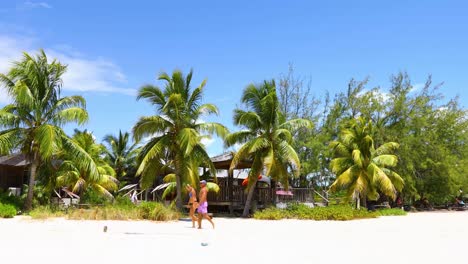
(75, 177)
(360, 168)
(174, 136)
(335, 212)
(33, 122)
(366, 144)
(266, 138)
(121, 154)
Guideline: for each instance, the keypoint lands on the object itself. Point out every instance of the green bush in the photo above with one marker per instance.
(157, 212)
(271, 213)
(11, 200)
(301, 211)
(94, 198)
(390, 211)
(7, 211)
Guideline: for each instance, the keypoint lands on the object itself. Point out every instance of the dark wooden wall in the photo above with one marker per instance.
(11, 176)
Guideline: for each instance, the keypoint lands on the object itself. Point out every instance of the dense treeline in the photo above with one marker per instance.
(430, 129)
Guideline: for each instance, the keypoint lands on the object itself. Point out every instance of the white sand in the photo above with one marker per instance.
(417, 238)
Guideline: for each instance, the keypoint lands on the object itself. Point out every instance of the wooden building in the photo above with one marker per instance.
(232, 194)
(13, 171)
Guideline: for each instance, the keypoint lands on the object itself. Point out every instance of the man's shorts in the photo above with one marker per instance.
(203, 208)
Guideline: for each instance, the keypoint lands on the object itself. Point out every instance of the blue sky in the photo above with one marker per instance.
(114, 47)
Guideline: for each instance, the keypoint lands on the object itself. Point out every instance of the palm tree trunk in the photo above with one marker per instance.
(32, 179)
(358, 202)
(179, 192)
(248, 201)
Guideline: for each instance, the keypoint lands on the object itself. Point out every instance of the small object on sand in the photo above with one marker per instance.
(105, 229)
(204, 244)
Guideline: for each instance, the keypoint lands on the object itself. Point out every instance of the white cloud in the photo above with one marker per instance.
(83, 74)
(207, 141)
(99, 75)
(10, 50)
(29, 4)
(4, 97)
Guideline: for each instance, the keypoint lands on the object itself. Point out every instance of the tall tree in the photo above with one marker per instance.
(266, 137)
(360, 168)
(32, 122)
(71, 174)
(120, 153)
(175, 134)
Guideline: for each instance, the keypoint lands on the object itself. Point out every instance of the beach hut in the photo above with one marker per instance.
(13, 172)
(232, 193)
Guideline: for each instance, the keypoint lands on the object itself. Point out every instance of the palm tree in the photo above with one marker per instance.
(120, 153)
(175, 134)
(360, 168)
(77, 179)
(171, 188)
(266, 139)
(32, 122)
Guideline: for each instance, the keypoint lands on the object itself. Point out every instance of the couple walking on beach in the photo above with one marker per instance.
(201, 205)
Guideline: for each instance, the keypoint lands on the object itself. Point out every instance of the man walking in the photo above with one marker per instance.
(203, 205)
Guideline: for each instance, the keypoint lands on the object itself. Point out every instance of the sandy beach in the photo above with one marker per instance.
(439, 237)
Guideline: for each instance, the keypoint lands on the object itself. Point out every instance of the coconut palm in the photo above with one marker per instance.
(171, 189)
(175, 134)
(120, 153)
(32, 122)
(77, 178)
(266, 139)
(361, 169)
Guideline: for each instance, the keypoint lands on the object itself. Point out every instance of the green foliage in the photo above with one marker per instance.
(121, 154)
(15, 201)
(175, 145)
(32, 122)
(431, 130)
(7, 211)
(75, 177)
(390, 211)
(41, 195)
(300, 211)
(266, 137)
(157, 212)
(362, 169)
(93, 197)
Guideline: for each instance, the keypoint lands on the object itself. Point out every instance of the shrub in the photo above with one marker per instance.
(44, 212)
(7, 211)
(301, 211)
(390, 211)
(271, 213)
(11, 200)
(94, 198)
(126, 211)
(157, 212)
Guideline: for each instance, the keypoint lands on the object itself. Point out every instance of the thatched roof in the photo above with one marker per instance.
(17, 160)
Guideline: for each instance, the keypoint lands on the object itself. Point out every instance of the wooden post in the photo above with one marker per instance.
(230, 190)
(273, 192)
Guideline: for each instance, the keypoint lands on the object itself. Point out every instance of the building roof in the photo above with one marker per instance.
(224, 160)
(17, 160)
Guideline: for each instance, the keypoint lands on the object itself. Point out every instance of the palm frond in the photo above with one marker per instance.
(150, 126)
